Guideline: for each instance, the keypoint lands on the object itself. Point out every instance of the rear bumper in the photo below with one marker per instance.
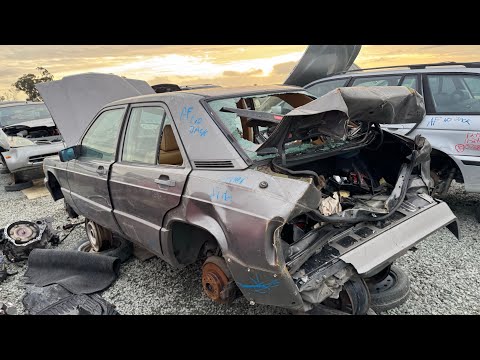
(390, 245)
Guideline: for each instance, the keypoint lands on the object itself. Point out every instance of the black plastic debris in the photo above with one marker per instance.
(56, 300)
(80, 305)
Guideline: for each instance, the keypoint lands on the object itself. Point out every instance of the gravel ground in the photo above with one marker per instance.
(444, 272)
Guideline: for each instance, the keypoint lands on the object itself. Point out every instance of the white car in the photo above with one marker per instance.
(28, 136)
(452, 121)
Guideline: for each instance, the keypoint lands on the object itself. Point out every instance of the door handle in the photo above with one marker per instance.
(101, 170)
(165, 180)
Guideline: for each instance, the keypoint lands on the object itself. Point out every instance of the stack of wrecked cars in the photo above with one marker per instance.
(304, 209)
(27, 135)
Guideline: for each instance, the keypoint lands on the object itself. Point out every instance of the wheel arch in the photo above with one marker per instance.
(185, 240)
(54, 186)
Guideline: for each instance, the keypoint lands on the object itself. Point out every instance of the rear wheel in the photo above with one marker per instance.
(390, 292)
(217, 280)
(354, 298)
(477, 213)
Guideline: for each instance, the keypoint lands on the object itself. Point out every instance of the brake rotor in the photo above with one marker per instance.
(214, 280)
(23, 232)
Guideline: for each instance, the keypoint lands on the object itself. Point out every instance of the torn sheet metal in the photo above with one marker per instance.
(330, 113)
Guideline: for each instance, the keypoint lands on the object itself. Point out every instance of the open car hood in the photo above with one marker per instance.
(320, 61)
(329, 114)
(75, 100)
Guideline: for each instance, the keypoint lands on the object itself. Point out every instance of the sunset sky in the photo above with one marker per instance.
(227, 65)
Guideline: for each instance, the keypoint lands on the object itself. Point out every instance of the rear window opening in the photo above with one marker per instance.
(251, 135)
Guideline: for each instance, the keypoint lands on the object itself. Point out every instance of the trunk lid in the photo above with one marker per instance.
(320, 61)
(330, 114)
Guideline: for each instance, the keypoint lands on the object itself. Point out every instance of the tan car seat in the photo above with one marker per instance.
(169, 152)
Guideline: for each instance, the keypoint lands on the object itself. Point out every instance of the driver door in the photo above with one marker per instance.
(88, 175)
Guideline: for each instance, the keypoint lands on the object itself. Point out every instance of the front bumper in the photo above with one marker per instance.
(29, 157)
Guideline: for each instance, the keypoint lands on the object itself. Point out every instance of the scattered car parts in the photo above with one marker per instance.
(21, 237)
(56, 300)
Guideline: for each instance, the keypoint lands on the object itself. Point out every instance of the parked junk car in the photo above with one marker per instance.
(452, 120)
(32, 135)
(299, 211)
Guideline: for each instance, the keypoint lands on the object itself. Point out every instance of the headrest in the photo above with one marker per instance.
(168, 139)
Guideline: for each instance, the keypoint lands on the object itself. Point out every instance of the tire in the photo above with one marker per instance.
(477, 213)
(354, 299)
(121, 248)
(19, 186)
(99, 237)
(393, 295)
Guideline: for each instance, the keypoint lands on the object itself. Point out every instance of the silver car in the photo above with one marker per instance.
(452, 120)
(31, 135)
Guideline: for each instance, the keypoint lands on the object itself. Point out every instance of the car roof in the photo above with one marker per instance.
(210, 93)
(407, 69)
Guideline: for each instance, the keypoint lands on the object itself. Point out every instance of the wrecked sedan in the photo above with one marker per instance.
(31, 135)
(299, 211)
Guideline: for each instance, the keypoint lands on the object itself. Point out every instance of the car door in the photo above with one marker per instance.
(452, 123)
(88, 174)
(149, 177)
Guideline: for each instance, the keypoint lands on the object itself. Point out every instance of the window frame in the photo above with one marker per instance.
(186, 161)
(120, 131)
(417, 77)
(429, 104)
(352, 80)
(159, 136)
(322, 81)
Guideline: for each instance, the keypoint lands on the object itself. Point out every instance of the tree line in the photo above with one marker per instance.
(26, 83)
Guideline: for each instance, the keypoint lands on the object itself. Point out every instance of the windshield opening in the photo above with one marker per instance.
(12, 115)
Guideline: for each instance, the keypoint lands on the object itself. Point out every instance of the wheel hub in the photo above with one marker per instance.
(386, 284)
(93, 237)
(214, 281)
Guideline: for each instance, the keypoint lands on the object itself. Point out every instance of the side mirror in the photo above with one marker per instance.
(70, 153)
